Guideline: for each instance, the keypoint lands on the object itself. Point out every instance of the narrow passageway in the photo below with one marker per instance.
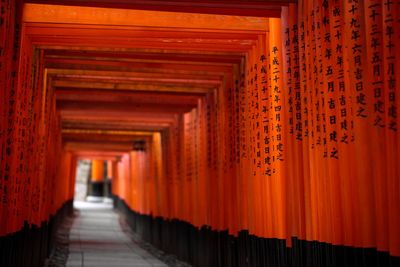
(229, 133)
(97, 239)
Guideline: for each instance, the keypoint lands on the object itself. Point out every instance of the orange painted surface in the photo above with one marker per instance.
(37, 173)
(97, 170)
(265, 8)
(110, 170)
(140, 18)
(269, 125)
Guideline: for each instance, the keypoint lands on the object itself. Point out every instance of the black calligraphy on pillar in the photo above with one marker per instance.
(303, 86)
(289, 77)
(237, 119)
(356, 66)
(264, 68)
(243, 117)
(374, 13)
(251, 82)
(276, 112)
(390, 72)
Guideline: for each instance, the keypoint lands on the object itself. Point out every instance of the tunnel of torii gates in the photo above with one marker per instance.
(269, 129)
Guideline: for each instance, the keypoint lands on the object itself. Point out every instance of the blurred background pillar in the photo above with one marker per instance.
(96, 184)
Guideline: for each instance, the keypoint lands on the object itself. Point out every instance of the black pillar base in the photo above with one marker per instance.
(107, 188)
(207, 247)
(30, 246)
(96, 189)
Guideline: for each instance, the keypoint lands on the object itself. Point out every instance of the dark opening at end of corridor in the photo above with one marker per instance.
(235, 133)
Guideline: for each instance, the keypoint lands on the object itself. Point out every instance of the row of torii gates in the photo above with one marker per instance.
(238, 133)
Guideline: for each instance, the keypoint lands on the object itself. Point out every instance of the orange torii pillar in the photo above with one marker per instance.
(96, 184)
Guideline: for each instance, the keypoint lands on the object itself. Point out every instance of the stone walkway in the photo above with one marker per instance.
(97, 240)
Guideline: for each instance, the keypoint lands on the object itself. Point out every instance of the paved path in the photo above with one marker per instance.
(97, 240)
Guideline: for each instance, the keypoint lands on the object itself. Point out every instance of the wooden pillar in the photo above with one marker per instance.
(96, 186)
(109, 177)
(97, 170)
(110, 169)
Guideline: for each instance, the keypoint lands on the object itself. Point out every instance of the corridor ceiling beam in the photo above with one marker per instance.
(258, 8)
(139, 18)
(99, 147)
(117, 125)
(132, 97)
(152, 68)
